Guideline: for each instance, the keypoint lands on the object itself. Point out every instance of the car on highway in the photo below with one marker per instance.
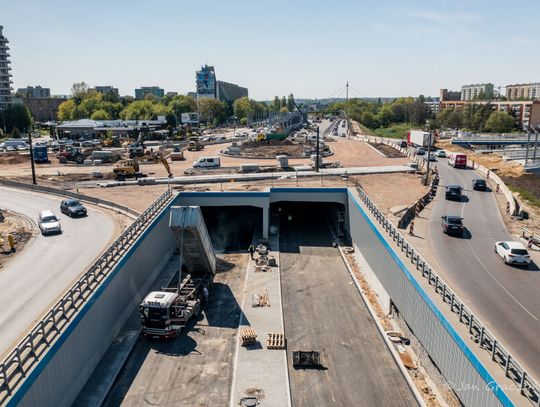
(403, 144)
(432, 157)
(420, 151)
(479, 185)
(453, 192)
(441, 154)
(513, 253)
(452, 224)
(48, 223)
(72, 208)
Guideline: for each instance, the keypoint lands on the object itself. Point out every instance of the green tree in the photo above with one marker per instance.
(111, 97)
(143, 110)
(276, 105)
(79, 90)
(290, 102)
(242, 107)
(65, 110)
(368, 119)
(500, 122)
(283, 102)
(100, 114)
(385, 117)
(17, 117)
(212, 110)
(182, 104)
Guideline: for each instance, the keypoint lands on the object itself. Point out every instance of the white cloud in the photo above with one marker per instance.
(442, 17)
(521, 40)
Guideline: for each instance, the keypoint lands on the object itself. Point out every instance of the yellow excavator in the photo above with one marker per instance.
(158, 156)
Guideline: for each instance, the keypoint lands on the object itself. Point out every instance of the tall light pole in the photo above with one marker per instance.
(317, 156)
(4, 121)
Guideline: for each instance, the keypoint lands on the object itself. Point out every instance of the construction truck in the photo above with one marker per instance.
(127, 169)
(164, 313)
(195, 144)
(177, 153)
(73, 154)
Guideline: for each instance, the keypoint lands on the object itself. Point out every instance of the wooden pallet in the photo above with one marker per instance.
(275, 341)
(248, 336)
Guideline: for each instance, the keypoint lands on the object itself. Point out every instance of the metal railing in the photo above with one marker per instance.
(18, 363)
(528, 387)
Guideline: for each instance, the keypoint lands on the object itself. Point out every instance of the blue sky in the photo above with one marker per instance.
(309, 48)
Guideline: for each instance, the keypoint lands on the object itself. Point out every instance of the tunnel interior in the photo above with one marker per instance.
(309, 224)
(233, 228)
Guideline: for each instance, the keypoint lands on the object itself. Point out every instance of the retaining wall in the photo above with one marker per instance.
(61, 374)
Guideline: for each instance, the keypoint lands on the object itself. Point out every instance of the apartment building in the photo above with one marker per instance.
(149, 90)
(477, 91)
(106, 89)
(5, 75)
(34, 92)
(523, 91)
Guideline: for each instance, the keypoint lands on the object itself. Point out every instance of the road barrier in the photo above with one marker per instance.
(62, 192)
(526, 384)
(15, 368)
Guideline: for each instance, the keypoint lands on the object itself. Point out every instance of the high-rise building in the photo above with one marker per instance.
(149, 90)
(229, 92)
(523, 91)
(206, 82)
(106, 89)
(5, 75)
(476, 92)
(34, 92)
(446, 94)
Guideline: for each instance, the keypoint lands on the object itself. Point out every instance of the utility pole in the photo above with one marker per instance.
(527, 150)
(347, 92)
(317, 162)
(4, 122)
(32, 158)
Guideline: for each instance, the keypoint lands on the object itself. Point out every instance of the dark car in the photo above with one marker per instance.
(420, 151)
(479, 185)
(452, 224)
(403, 144)
(453, 192)
(72, 208)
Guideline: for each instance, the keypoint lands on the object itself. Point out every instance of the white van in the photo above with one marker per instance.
(207, 162)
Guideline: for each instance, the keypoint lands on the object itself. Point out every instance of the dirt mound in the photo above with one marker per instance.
(13, 158)
(17, 226)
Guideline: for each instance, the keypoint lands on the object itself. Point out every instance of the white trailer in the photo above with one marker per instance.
(419, 138)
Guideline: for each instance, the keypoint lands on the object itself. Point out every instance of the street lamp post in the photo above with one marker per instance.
(317, 156)
(4, 121)
(32, 158)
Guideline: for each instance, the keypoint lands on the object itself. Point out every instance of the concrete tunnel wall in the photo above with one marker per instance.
(60, 375)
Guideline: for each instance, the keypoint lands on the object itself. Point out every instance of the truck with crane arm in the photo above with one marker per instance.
(164, 313)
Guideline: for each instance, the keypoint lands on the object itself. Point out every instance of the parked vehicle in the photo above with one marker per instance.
(479, 184)
(194, 144)
(420, 151)
(72, 208)
(207, 162)
(48, 223)
(14, 145)
(513, 253)
(441, 154)
(419, 138)
(452, 224)
(457, 160)
(105, 156)
(403, 144)
(164, 313)
(432, 157)
(453, 192)
(40, 153)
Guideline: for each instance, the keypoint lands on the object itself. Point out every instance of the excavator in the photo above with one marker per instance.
(130, 168)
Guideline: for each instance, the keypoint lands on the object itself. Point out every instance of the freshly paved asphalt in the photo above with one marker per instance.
(323, 311)
(47, 265)
(505, 298)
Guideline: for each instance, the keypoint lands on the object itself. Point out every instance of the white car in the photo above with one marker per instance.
(441, 154)
(49, 223)
(513, 252)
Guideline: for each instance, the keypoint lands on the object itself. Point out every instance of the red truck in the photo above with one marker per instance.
(457, 160)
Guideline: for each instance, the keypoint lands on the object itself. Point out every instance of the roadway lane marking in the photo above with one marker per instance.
(491, 275)
(500, 285)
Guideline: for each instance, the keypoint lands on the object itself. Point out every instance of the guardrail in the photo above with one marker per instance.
(528, 387)
(18, 363)
(62, 192)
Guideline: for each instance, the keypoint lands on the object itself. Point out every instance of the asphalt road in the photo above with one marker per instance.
(322, 311)
(506, 298)
(196, 368)
(35, 278)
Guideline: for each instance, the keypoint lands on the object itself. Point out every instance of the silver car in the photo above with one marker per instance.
(48, 223)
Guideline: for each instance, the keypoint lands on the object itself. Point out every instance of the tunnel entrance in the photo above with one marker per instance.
(232, 228)
(308, 224)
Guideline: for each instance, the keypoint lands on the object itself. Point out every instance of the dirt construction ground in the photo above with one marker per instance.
(20, 228)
